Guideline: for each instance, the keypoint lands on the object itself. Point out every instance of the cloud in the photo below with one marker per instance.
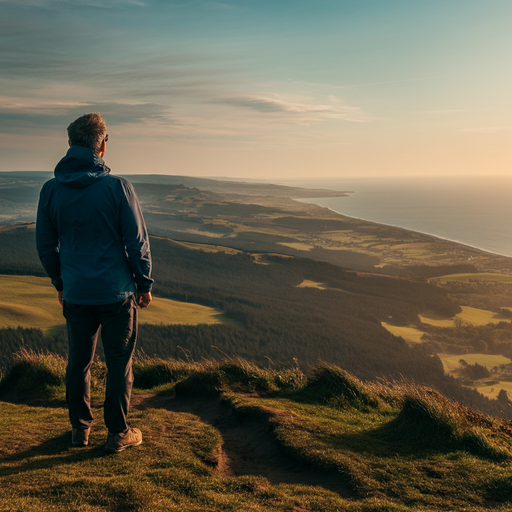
(270, 105)
(16, 114)
(35, 52)
(307, 112)
(54, 69)
(446, 111)
(122, 113)
(487, 129)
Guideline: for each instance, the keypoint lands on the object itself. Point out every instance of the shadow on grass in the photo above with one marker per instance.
(16, 398)
(53, 452)
(383, 442)
(392, 439)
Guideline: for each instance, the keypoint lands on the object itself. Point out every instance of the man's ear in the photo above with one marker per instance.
(102, 150)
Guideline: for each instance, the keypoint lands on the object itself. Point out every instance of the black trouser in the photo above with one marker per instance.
(118, 323)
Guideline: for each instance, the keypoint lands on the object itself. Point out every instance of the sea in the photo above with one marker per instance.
(473, 210)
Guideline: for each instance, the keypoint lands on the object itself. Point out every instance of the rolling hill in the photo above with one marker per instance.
(228, 435)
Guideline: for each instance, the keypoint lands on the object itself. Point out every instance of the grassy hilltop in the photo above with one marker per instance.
(222, 436)
(246, 279)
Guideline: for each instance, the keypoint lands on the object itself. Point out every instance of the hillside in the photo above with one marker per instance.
(279, 429)
(32, 304)
(251, 188)
(264, 217)
(239, 257)
(232, 436)
(271, 317)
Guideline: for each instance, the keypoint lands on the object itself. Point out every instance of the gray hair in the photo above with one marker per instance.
(88, 131)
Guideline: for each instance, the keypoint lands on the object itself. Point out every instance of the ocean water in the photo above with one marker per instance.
(475, 211)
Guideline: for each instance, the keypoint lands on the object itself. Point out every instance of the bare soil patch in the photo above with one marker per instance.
(249, 446)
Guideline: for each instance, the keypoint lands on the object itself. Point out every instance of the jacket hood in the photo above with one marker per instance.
(80, 168)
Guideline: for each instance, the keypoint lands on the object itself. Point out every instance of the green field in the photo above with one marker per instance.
(167, 312)
(451, 362)
(32, 302)
(297, 245)
(493, 391)
(202, 247)
(473, 316)
(465, 278)
(29, 301)
(451, 366)
(311, 284)
(410, 334)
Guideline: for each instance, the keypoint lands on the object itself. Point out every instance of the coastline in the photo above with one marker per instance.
(423, 233)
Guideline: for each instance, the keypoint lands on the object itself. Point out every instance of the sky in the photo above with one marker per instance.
(261, 89)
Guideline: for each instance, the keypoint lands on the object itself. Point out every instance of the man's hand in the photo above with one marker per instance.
(144, 299)
(60, 299)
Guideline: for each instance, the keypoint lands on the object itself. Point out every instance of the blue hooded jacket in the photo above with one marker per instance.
(90, 233)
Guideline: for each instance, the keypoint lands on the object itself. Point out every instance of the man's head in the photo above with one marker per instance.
(88, 131)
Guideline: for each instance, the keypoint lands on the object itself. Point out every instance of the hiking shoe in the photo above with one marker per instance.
(80, 437)
(119, 442)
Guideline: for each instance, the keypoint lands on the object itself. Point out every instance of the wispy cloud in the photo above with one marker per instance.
(441, 111)
(307, 111)
(18, 114)
(487, 129)
(270, 105)
(54, 71)
(34, 54)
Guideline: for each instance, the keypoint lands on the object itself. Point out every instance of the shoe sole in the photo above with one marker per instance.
(122, 448)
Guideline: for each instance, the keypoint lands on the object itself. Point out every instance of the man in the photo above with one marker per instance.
(92, 242)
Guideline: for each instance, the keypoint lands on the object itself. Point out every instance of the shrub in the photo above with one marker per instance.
(210, 377)
(151, 372)
(246, 376)
(334, 386)
(37, 373)
(430, 421)
(42, 374)
(473, 371)
(202, 383)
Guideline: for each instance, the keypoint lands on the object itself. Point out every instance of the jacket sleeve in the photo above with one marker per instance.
(47, 244)
(135, 238)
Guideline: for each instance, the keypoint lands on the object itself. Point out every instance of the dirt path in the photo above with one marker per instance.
(249, 447)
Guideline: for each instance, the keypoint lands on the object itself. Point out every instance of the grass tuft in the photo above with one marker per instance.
(237, 374)
(330, 385)
(431, 421)
(242, 375)
(151, 372)
(205, 382)
(41, 375)
(38, 373)
(290, 379)
(498, 489)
